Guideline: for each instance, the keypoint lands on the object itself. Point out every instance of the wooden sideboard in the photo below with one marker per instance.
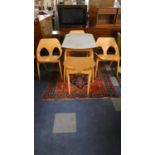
(37, 34)
(106, 31)
(108, 16)
(93, 8)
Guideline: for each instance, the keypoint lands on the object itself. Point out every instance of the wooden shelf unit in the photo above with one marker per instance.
(108, 16)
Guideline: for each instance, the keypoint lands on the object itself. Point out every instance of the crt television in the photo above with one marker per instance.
(72, 15)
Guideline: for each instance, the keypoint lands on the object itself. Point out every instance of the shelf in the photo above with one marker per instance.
(107, 16)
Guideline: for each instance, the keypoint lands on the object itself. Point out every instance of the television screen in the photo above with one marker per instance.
(72, 15)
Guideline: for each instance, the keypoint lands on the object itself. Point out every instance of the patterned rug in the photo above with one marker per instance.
(105, 85)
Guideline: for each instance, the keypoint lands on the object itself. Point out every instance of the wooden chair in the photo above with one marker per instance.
(105, 43)
(119, 46)
(49, 45)
(80, 65)
(119, 41)
(69, 52)
(77, 31)
(91, 57)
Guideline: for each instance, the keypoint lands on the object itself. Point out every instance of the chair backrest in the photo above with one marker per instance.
(50, 44)
(46, 26)
(77, 31)
(105, 43)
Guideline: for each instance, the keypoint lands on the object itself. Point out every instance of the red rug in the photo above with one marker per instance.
(105, 85)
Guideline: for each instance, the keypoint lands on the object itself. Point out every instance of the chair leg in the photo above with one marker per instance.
(65, 54)
(91, 52)
(97, 62)
(60, 69)
(111, 63)
(64, 74)
(93, 74)
(117, 68)
(69, 87)
(89, 79)
(38, 70)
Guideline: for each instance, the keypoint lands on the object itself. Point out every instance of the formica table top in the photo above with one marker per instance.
(79, 41)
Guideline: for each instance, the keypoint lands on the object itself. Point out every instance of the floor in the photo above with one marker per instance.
(75, 127)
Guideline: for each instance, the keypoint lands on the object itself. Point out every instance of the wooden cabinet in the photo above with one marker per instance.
(108, 16)
(93, 7)
(37, 34)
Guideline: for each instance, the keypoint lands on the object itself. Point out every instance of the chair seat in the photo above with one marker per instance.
(79, 64)
(109, 57)
(48, 59)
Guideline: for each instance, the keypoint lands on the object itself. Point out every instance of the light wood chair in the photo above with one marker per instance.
(76, 31)
(49, 44)
(68, 52)
(119, 46)
(89, 55)
(105, 43)
(80, 65)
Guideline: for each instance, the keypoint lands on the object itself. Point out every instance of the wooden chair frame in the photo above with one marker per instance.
(88, 72)
(105, 43)
(49, 44)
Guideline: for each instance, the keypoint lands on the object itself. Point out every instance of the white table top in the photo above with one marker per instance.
(79, 41)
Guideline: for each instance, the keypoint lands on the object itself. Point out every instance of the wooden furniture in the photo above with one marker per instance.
(119, 40)
(79, 65)
(76, 31)
(107, 30)
(78, 42)
(49, 45)
(105, 43)
(119, 46)
(108, 16)
(37, 34)
(93, 7)
(46, 25)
